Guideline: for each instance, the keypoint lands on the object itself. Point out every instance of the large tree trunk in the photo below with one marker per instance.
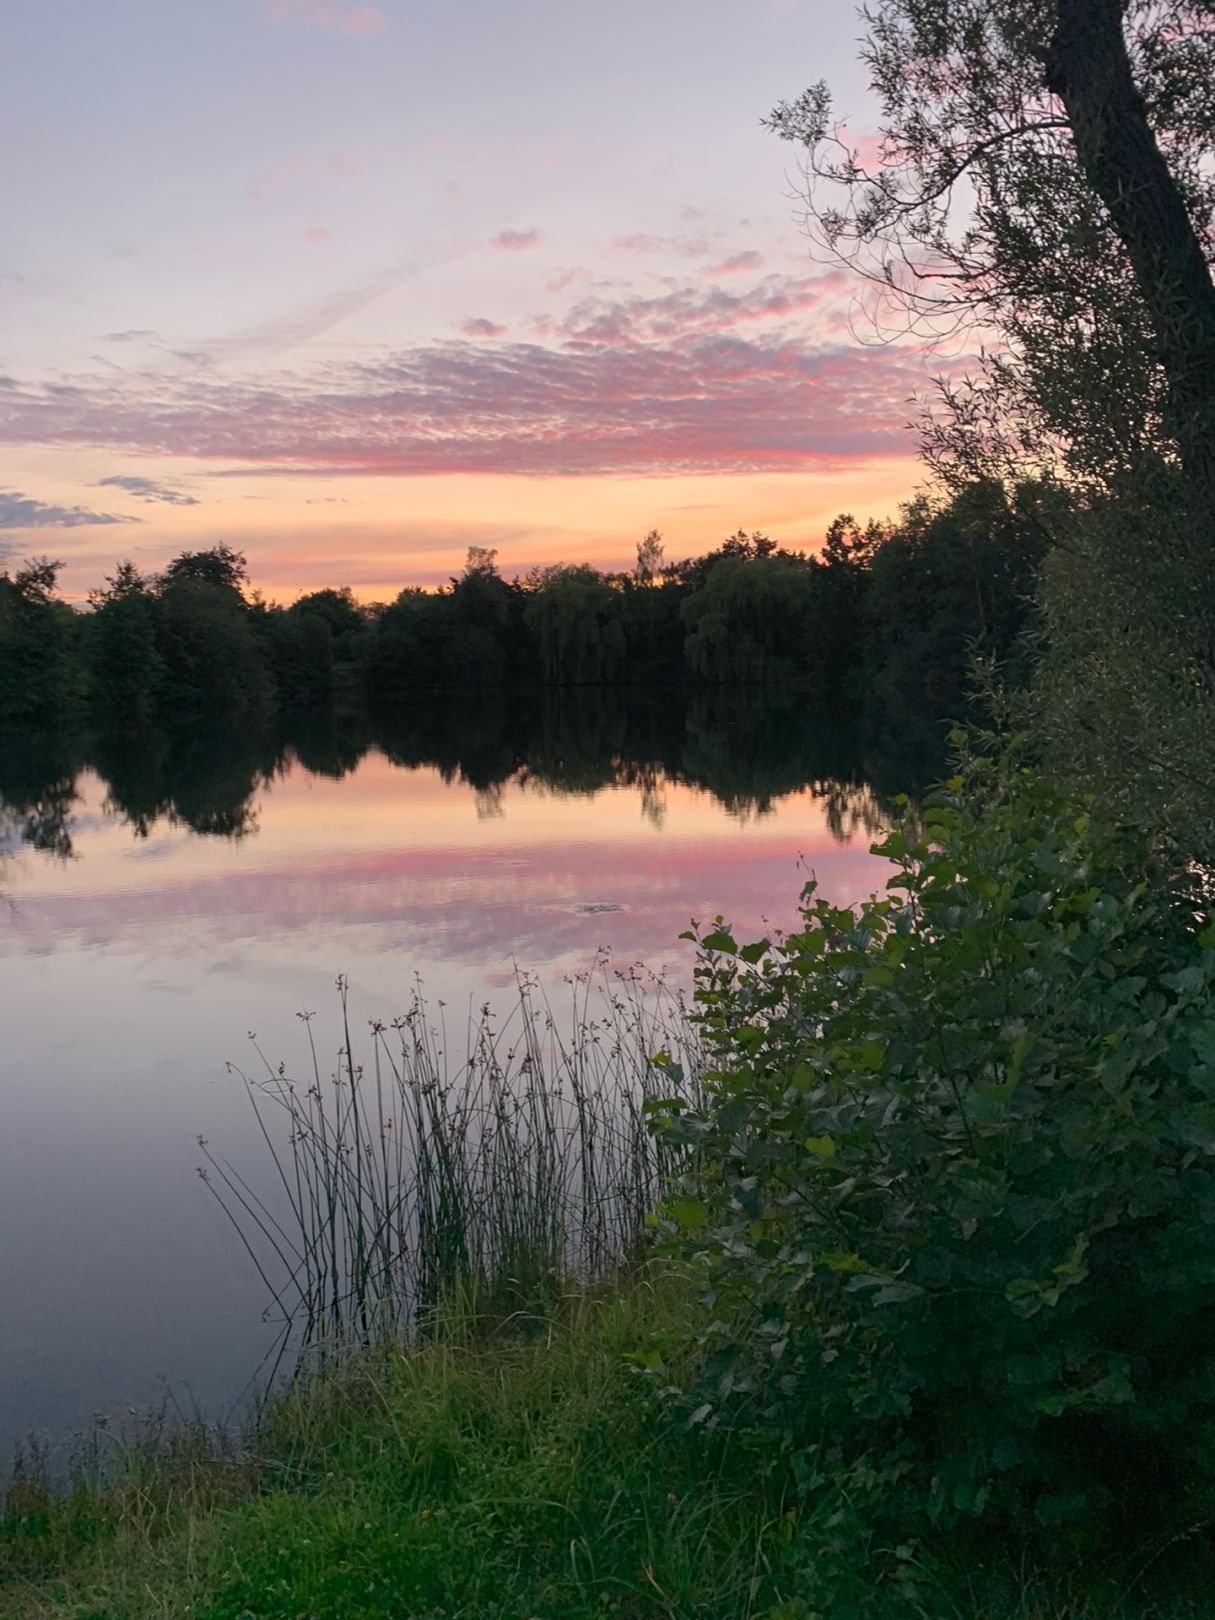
(1089, 69)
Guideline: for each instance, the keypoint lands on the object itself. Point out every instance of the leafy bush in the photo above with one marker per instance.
(955, 1185)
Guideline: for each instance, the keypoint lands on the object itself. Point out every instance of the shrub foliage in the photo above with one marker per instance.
(955, 1189)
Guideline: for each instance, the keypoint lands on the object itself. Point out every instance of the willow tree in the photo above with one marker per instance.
(1042, 193)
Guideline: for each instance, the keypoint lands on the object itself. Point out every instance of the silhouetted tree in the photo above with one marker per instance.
(126, 670)
(579, 624)
(212, 659)
(887, 608)
(218, 566)
(751, 620)
(40, 674)
(649, 557)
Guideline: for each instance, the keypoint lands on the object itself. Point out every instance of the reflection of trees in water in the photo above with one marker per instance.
(650, 781)
(748, 749)
(851, 808)
(489, 803)
(203, 780)
(44, 823)
(328, 744)
(38, 792)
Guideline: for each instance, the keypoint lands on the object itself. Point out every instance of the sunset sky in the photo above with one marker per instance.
(354, 286)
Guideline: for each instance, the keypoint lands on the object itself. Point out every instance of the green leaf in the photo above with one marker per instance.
(650, 1360)
(897, 1293)
(838, 1260)
(689, 1213)
(803, 1077)
(871, 1055)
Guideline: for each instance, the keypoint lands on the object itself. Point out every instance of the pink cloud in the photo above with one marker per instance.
(478, 326)
(718, 404)
(638, 244)
(357, 21)
(865, 146)
(751, 259)
(517, 241)
(697, 309)
(700, 379)
(318, 235)
(576, 276)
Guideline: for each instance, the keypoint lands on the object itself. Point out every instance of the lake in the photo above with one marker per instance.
(165, 896)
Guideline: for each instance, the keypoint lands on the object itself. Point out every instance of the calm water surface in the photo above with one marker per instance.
(155, 913)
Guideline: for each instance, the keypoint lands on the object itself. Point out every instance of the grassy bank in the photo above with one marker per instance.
(503, 1470)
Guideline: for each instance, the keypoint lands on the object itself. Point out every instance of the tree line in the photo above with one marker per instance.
(888, 611)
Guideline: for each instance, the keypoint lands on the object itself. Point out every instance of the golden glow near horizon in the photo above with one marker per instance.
(378, 535)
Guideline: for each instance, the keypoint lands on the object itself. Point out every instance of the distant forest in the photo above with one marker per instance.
(886, 614)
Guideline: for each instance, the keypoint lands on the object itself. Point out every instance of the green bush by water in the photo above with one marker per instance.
(954, 1191)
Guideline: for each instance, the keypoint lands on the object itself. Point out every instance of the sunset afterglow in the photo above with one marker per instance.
(314, 280)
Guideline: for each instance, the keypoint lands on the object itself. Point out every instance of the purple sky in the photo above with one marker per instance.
(353, 286)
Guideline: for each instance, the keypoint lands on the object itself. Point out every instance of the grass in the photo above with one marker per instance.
(497, 1469)
(500, 1470)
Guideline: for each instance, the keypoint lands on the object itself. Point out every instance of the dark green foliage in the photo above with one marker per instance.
(576, 616)
(407, 646)
(40, 677)
(340, 611)
(126, 668)
(220, 567)
(748, 623)
(945, 580)
(956, 1197)
(211, 657)
(299, 649)
(1051, 163)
